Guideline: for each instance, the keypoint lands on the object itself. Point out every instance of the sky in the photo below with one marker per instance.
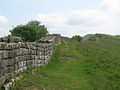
(65, 17)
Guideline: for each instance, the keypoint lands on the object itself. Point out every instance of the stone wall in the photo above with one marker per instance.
(18, 57)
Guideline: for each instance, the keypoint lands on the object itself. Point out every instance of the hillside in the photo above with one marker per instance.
(88, 65)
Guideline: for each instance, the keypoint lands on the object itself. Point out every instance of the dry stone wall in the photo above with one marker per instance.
(18, 57)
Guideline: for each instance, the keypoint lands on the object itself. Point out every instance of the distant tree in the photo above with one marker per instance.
(32, 31)
(77, 37)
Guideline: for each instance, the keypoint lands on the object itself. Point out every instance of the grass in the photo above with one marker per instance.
(89, 65)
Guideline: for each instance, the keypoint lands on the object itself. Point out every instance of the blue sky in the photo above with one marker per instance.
(19, 10)
(67, 17)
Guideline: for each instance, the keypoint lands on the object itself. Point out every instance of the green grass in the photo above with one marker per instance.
(89, 65)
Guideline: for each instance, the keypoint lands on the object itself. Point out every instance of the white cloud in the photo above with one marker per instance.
(3, 26)
(51, 20)
(112, 5)
(104, 19)
(3, 21)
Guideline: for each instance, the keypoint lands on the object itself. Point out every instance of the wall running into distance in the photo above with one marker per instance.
(18, 57)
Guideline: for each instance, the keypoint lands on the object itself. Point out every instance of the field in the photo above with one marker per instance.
(85, 65)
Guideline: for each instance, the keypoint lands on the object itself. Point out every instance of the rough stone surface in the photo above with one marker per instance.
(18, 57)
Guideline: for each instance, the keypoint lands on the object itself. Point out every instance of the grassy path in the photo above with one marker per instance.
(77, 66)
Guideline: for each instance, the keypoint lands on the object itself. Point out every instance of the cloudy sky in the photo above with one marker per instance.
(67, 17)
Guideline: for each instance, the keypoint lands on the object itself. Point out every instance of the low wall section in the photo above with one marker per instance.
(17, 57)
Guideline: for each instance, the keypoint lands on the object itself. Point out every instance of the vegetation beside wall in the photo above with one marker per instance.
(31, 31)
(88, 65)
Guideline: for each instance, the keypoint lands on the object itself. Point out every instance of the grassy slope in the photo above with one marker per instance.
(78, 66)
